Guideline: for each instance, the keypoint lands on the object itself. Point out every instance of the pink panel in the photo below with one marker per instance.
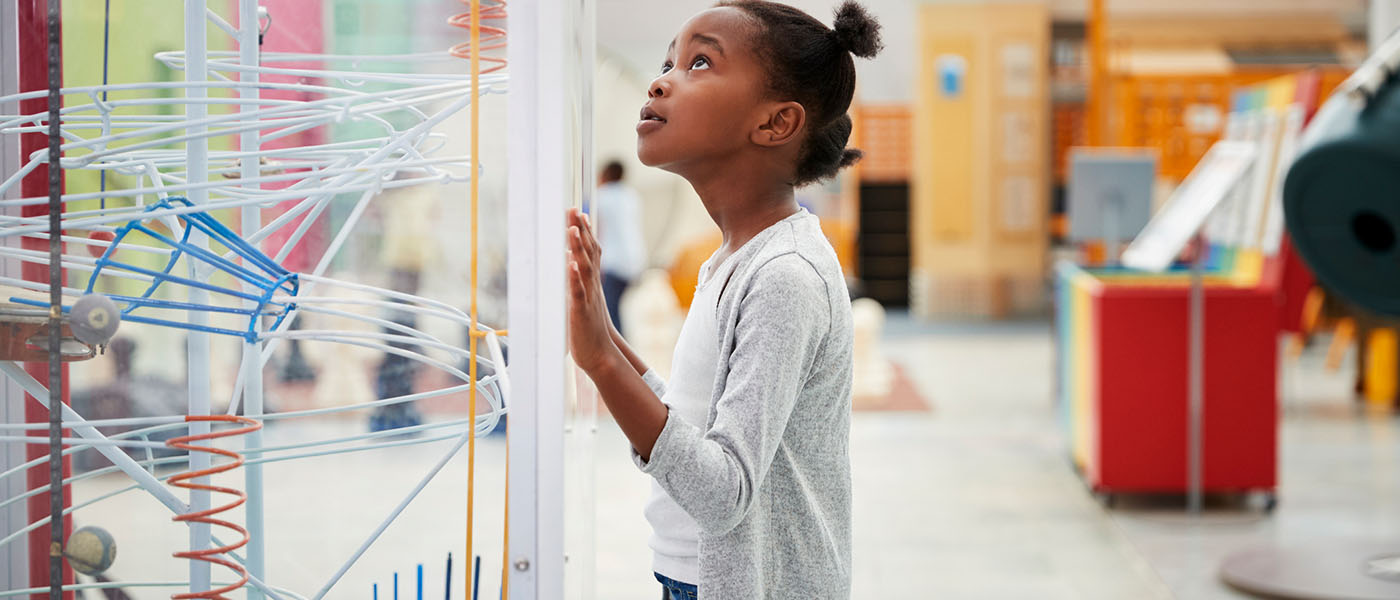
(297, 26)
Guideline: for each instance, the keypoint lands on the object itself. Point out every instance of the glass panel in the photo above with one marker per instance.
(334, 244)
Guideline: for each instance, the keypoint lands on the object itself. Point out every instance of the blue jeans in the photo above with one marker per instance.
(675, 590)
(613, 288)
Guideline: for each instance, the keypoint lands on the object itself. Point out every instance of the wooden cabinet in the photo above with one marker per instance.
(981, 164)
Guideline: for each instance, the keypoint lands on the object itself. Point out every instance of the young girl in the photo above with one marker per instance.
(747, 444)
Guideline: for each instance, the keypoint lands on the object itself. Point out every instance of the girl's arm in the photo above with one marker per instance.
(603, 355)
(653, 381)
(627, 352)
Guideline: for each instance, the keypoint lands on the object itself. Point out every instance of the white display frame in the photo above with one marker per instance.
(14, 559)
(1191, 206)
(550, 152)
(542, 182)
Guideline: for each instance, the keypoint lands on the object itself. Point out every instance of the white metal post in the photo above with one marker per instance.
(581, 427)
(14, 557)
(539, 187)
(197, 165)
(252, 368)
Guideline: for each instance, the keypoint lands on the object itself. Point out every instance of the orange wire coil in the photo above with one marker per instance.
(493, 37)
(185, 480)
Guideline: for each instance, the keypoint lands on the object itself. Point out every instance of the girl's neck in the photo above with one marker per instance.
(743, 207)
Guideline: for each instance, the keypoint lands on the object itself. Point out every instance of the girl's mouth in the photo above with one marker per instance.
(650, 120)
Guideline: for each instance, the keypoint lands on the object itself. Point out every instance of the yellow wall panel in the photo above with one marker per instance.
(980, 175)
(950, 131)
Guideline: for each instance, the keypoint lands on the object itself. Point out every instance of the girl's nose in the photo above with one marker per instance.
(658, 87)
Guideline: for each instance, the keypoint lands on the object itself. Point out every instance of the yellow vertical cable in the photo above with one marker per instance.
(471, 337)
(505, 525)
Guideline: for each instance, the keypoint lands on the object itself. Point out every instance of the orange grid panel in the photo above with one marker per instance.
(886, 135)
(1151, 112)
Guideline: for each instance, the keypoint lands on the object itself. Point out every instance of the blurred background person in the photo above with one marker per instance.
(617, 215)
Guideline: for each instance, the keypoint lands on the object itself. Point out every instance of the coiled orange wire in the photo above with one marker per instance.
(184, 480)
(492, 37)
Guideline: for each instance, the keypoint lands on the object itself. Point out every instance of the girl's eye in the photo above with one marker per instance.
(700, 63)
(666, 67)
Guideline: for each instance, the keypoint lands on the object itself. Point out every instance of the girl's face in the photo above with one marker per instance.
(708, 96)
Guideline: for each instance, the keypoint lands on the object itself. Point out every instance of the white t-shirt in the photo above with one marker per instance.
(675, 537)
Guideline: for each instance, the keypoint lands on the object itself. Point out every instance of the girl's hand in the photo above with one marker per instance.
(590, 337)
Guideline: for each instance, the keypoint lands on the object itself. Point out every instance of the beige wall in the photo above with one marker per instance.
(638, 30)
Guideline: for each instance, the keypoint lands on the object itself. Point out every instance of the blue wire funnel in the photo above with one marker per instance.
(256, 269)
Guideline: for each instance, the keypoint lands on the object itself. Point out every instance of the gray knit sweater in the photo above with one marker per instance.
(769, 477)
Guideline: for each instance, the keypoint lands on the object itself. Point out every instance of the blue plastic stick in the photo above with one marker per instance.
(376, 591)
(396, 585)
(420, 582)
(476, 577)
(175, 305)
(448, 586)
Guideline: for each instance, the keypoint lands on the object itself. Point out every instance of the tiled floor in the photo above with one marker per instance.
(974, 499)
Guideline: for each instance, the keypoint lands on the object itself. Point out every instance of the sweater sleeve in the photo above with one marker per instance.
(714, 475)
(655, 382)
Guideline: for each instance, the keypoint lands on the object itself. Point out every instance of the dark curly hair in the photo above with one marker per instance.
(812, 65)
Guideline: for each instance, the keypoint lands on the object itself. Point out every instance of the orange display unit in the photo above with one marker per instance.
(1123, 374)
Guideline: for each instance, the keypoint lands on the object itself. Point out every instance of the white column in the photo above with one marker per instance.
(581, 424)
(14, 557)
(252, 371)
(197, 161)
(540, 188)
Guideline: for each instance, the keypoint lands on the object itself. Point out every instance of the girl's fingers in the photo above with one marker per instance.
(585, 265)
(575, 282)
(577, 218)
(586, 259)
(578, 239)
(594, 249)
(578, 247)
(590, 241)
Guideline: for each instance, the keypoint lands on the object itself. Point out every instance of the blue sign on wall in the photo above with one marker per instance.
(952, 75)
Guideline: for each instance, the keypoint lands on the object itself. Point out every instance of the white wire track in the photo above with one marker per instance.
(134, 136)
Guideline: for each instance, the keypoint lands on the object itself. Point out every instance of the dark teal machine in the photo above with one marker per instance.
(1342, 205)
(1342, 196)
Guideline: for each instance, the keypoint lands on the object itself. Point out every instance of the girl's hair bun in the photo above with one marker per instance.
(856, 30)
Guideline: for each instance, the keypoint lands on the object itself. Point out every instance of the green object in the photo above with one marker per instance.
(90, 550)
(1342, 205)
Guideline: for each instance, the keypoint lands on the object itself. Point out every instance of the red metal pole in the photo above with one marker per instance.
(33, 76)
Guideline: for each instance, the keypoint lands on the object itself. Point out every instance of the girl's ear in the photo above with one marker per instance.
(785, 121)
